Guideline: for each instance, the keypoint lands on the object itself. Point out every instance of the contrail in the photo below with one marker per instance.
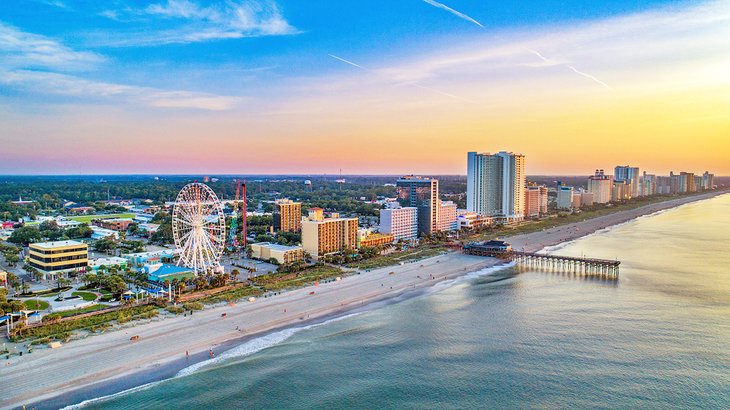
(537, 53)
(413, 84)
(348, 62)
(588, 76)
(570, 67)
(454, 12)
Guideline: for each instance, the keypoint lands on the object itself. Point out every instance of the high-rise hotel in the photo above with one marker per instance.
(287, 215)
(423, 194)
(495, 185)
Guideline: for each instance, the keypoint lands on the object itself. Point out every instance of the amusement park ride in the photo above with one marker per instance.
(240, 194)
(199, 226)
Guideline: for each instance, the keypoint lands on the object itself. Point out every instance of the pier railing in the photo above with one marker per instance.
(569, 264)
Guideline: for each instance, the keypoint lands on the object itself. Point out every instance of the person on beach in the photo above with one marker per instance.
(210, 352)
(187, 354)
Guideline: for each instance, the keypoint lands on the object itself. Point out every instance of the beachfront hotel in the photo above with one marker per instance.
(536, 200)
(287, 215)
(423, 194)
(601, 186)
(629, 175)
(321, 235)
(402, 222)
(447, 216)
(495, 185)
(57, 258)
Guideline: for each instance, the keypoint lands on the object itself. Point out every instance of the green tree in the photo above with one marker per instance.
(25, 235)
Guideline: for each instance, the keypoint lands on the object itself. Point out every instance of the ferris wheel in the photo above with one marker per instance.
(198, 227)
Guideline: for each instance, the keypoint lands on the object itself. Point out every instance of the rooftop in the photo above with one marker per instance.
(56, 244)
(277, 247)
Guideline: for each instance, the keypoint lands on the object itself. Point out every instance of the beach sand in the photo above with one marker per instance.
(106, 358)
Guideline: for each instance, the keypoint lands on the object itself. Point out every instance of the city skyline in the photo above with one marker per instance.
(185, 87)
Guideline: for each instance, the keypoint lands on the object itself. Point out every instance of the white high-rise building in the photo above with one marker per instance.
(402, 222)
(495, 185)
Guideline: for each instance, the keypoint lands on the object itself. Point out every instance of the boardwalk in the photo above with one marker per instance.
(555, 263)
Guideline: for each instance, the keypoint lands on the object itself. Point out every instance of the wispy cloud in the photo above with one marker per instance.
(18, 48)
(68, 85)
(41, 65)
(410, 83)
(186, 21)
(546, 62)
(452, 11)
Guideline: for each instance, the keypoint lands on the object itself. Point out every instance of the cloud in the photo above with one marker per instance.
(454, 12)
(186, 21)
(41, 65)
(18, 48)
(68, 85)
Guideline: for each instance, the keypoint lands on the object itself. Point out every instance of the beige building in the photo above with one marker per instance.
(447, 216)
(59, 257)
(283, 254)
(601, 186)
(287, 215)
(536, 200)
(321, 236)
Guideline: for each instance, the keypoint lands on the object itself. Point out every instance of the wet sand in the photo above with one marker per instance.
(111, 362)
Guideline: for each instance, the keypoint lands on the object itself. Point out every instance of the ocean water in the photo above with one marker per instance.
(659, 337)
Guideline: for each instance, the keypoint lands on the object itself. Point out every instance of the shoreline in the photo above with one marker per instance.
(129, 364)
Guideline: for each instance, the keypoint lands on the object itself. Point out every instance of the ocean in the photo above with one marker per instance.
(659, 337)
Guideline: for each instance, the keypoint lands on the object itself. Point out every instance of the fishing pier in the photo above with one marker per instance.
(552, 263)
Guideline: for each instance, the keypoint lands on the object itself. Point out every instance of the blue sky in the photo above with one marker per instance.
(238, 73)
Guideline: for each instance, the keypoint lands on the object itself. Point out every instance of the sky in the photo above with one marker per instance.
(365, 87)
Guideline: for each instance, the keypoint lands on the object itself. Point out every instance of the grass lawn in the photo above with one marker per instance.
(92, 308)
(397, 257)
(34, 304)
(87, 296)
(279, 281)
(89, 218)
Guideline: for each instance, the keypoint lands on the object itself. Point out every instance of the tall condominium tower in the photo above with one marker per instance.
(601, 186)
(495, 185)
(631, 176)
(423, 194)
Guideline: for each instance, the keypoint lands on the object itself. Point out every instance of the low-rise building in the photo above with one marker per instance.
(116, 224)
(107, 263)
(369, 239)
(58, 258)
(153, 257)
(283, 254)
(100, 233)
(160, 273)
(468, 219)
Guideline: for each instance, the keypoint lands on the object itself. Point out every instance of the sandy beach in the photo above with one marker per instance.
(82, 364)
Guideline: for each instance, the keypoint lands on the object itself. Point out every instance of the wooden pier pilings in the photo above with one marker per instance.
(553, 263)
